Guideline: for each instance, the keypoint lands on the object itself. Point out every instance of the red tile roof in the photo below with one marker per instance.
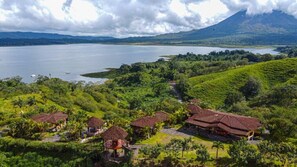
(194, 109)
(151, 121)
(95, 122)
(234, 124)
(147, 121)
(114, 133)
(52, 118)
(162, 116)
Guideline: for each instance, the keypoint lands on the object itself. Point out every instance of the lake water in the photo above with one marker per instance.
(69, 61)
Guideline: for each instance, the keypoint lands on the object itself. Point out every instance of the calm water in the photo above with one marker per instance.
(69, 61)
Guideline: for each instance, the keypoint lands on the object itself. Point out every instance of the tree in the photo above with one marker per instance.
(152, 152)
(161, 89)
(25, 128)
(240, 107)
(202, 154)
(251, 88)
(233, 97)
(282, 153)
(80, 116)
(173, 148)
(280, 95)
(74, 130)
(183, 87)
(180, 145)
(284, 95)
(186, 144)
(280, 129)
(18, 102)
(125, 68)
(31, 101)
(3, 160)
(243, 154)
(218, 145)
(252, 57)
(266, 57)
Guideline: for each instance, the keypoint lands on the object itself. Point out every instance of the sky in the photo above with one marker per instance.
(123, 18)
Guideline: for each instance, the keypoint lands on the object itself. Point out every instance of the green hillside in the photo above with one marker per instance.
(213, 88)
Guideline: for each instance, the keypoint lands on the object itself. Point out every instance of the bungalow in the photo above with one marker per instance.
(149, 122)
(57, 119)
(162, 116)
(224, 124)
(114, 139)
(95, 126)
(143, 122)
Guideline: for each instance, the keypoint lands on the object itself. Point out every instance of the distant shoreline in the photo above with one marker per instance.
(152, 44)
(110, 73)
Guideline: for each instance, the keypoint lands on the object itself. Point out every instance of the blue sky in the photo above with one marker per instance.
(122, 18)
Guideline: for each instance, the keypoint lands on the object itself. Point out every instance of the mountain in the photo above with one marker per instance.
(32, 38)
(275, 28)
(243, 29)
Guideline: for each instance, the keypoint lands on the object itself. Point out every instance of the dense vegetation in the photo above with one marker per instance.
(263, 86)
(20, 152)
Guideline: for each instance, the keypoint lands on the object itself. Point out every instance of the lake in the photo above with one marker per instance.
(69, 61)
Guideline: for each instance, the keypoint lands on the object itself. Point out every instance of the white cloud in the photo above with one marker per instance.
(263, 6)
(126, 17)
(179, 8)
(210, 11)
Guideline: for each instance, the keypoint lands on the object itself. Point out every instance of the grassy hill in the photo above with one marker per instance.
(213, 88)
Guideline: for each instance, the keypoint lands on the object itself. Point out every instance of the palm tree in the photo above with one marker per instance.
(176, 145)
(186, 145)
(218, 145)
(202, 154)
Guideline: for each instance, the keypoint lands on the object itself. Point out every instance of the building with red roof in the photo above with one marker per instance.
(95, 126)
(114, 139)
(223, 123)
(150, 122)
(57, 119)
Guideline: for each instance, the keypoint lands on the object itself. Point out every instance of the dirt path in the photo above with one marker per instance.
(172, 131)
(175, 91)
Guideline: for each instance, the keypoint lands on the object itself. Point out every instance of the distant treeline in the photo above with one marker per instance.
(291, 51)
(42, 41)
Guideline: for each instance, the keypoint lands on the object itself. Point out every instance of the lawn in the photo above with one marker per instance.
(163, 138)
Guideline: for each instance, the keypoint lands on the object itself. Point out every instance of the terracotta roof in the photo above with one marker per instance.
(162, 116)
(194, 109)
(95, 122)
(234, 124)
(50, 118)
(114, 133)
(147, 121)
(150, 121)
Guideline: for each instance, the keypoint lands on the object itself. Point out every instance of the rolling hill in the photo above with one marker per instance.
(213, 88)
